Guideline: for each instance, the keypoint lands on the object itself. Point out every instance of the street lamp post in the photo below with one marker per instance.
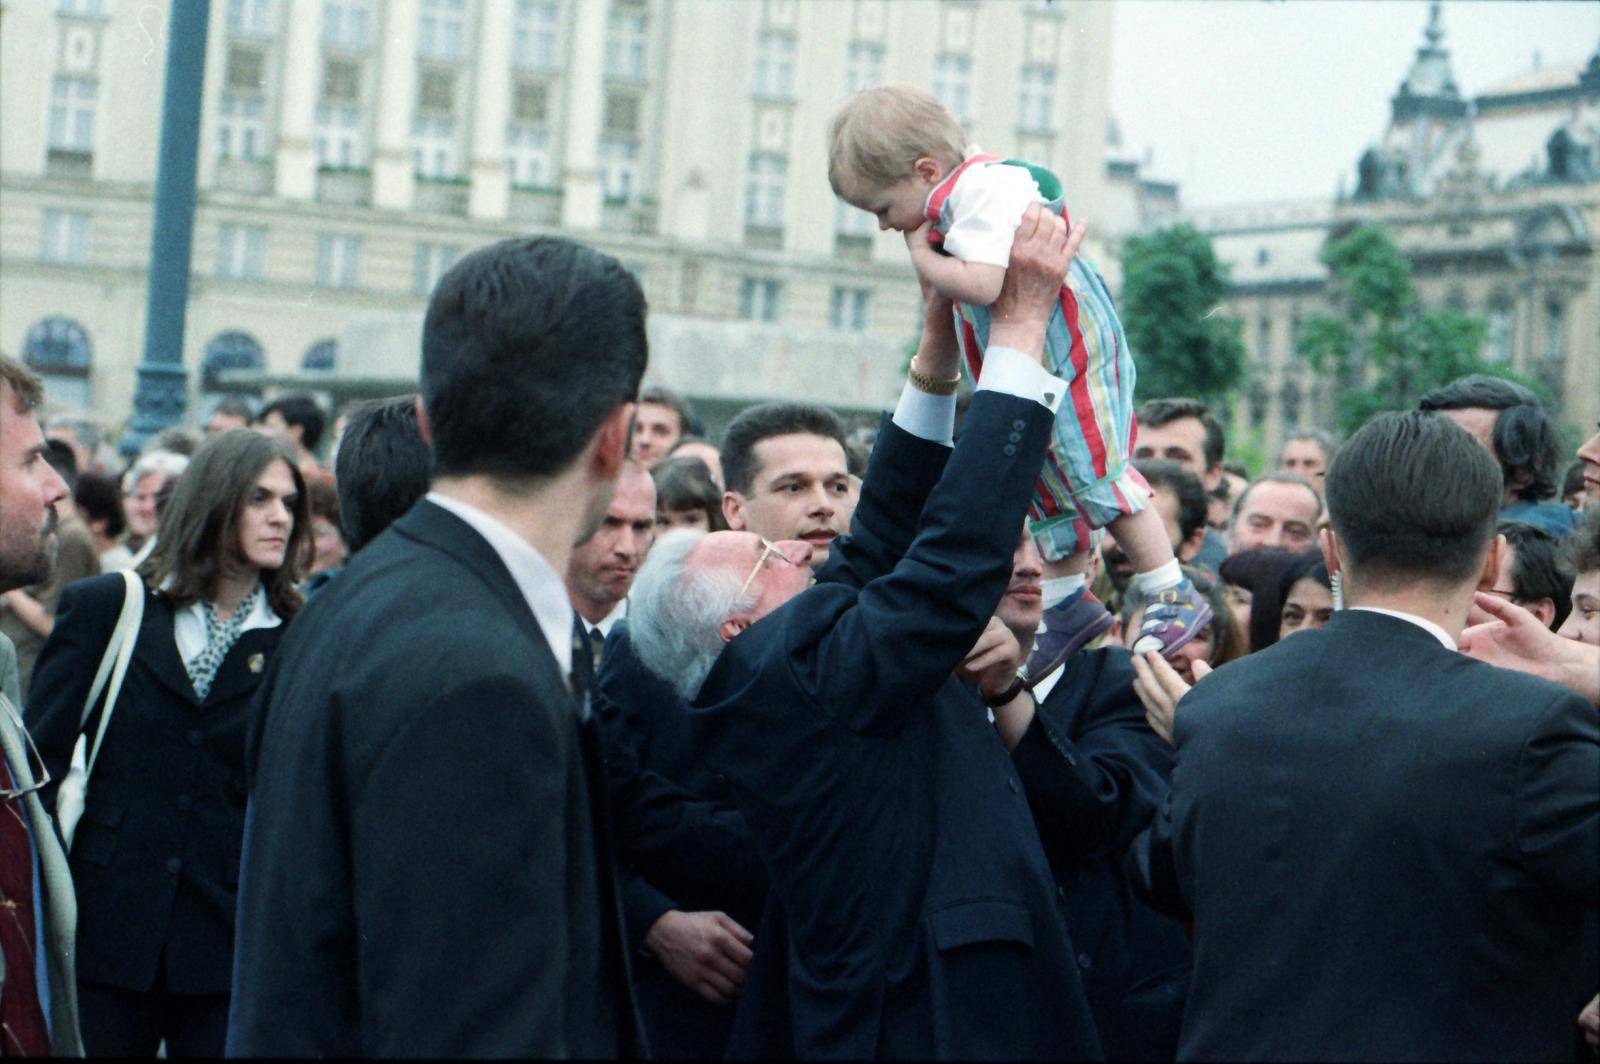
(161, 396)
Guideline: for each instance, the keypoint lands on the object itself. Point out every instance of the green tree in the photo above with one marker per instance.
(1383, 351)
(1172, 286)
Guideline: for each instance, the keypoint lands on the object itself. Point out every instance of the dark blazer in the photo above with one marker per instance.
(665, 800)
(912, 913)
(1095, 775)
(1388, 848)
(427, 871)
(155, 861)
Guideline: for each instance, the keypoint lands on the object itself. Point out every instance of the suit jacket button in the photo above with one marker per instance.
(1019, 424)
(1016, 437)
(1008, 450)
(1012, 784)
(173, 866)
(1084, 961)
(196, 737)
(184, 802)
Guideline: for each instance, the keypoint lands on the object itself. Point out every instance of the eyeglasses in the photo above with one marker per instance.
(768, 549)
(1509, 594)
(36, 767)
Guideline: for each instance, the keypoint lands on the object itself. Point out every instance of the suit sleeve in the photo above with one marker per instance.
(1150, 867)
(64, 671)
(885, 655)
(901, 473)
(642, 906)
(1558, 805)
(1092, 794)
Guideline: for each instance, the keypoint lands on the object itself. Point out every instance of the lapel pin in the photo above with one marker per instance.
(256, 662)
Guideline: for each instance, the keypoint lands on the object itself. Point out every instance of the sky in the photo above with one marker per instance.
(1259, 100)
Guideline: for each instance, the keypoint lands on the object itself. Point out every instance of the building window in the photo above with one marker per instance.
(528, 156)
(338, 260)
(1500, 333)
(1035, 98)
(863, 67)
(853, 221)
(250, 18)
(321, 357)
(80, 7)
(433, 148)
(763, 196)
(241, 130)
(1555, 338)
(619, 169)
(341, 81)
(774, 76)
(533, 41)
(345, 24)
(952, 84)
(849, 309)
(1264, 340)
(231, 350)
(72, 114)
(430, 264)
(436, 93)
(241, 251)
(246, 69)
(441, 27)
(338, 138)
(64, 237)
(1256, 400)
(1291, 398)
(759, 299)
(58, 350)
(625, 44)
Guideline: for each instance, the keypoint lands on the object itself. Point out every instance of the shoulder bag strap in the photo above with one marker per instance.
(114, 665)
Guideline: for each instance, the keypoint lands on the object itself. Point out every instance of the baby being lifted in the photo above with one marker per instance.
(895, 152)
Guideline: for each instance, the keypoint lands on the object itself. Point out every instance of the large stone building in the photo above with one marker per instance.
(1495, 201)
(352, 149)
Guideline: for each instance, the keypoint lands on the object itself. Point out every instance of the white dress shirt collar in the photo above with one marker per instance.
(189, 625)
(1421, 622)
(609, 621)
(535, 577)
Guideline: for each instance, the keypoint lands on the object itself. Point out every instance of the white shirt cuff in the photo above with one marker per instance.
(929, 417)
(1007, 370)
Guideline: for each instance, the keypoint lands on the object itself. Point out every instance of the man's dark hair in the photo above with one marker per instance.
(670, 399)
(61, 458)
(98, 497)
(301, 410)
(1157, 412)
(27, 392)
(1414, 497)
(1525, 437)
(383, 467)
(757, 423)
(1580, 551)
(1323, 440)
(1181, 481)
(528, 345)
(1537, 569)
(235, 405)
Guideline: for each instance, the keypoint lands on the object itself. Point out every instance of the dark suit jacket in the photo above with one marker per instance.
(427, 870)
(1095, 775)
(155, 861)
(1388, 848)
(666, 801)
(911, 895)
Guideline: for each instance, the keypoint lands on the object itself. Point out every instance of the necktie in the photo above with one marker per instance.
(597, 645)
(582, 677)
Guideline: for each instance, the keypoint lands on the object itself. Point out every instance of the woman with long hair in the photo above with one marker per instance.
(155, 858)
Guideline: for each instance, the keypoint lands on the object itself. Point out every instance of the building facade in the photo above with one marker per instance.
(1494, 200)
(352, 149)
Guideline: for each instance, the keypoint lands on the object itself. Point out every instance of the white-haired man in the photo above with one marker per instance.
(913, 913)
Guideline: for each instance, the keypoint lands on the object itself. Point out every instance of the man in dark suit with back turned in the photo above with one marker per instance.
(427, 871)
(1387, 846)
(912, 912)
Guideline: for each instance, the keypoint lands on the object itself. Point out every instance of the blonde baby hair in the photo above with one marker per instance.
(879, 133)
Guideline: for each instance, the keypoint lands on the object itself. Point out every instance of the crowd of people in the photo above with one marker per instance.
(532, 722)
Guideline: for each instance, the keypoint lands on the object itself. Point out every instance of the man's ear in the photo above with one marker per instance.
(1328, 540)
(928, 169)
(424, 426)
(1191, 546)
(611, 442)
(1212, 478)
(1491, 562)
(1544, 609)
(732, 627)
(733, 510)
